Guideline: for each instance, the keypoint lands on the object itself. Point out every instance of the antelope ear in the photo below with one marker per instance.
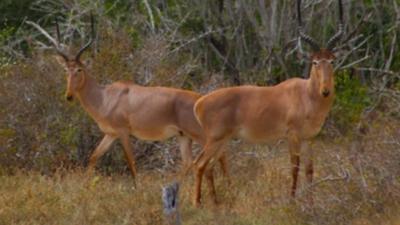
(88, 63)
(61, 60)
(339, 53)
(303, 56)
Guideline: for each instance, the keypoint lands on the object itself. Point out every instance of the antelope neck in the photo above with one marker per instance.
(90, 95)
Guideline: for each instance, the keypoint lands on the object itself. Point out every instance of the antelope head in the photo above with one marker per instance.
(322, 58)
(76, 69)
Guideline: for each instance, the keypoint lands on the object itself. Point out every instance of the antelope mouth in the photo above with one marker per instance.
(325, 93)
(69, 98)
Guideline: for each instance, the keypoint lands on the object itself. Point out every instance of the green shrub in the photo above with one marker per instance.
(351, 99)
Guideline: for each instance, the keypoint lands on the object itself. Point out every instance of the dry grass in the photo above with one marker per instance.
(355, 184)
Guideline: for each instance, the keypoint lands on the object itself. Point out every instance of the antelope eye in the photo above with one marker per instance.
(315, 63)
(332, 62)
(79, 70)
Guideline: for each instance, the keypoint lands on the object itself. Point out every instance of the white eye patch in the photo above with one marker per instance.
(316, 62)
(77, 70)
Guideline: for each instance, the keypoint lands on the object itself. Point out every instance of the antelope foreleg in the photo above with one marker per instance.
(223, 160)
(210, 183)
(129, 155)
(209, 151)
(294, 149)
(309, 170)
(185, 146)
(99, 151)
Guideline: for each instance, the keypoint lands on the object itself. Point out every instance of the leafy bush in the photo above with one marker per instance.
(351, 100)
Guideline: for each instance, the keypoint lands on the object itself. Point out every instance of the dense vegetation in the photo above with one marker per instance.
(203, 45)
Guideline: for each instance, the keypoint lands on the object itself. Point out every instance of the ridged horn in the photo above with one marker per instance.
(59, 51)
(314, 45)
(332, 42)
(86, 46)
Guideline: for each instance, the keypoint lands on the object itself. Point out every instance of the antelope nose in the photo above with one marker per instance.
(69, 98)
(325, 93)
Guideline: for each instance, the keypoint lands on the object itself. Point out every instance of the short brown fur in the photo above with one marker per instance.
(294, 110)
(123, 108)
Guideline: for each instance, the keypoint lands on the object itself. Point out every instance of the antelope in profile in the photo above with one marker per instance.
(294, 110)
(123, 108)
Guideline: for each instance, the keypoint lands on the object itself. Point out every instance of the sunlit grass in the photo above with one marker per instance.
(353, 186)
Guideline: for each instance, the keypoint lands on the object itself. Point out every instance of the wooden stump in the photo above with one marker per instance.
(170, 202)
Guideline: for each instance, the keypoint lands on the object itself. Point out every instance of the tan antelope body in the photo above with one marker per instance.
(294, 110)
(262, 114)
(148, 113)
(122, 109)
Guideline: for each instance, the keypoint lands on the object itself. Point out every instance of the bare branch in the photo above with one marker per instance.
(47, 35)
(150, 12)
(355, 62)
(392, 49)
(194, 39)
(344, 58)
(370, 69)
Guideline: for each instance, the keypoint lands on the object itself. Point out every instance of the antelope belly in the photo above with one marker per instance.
(155, 134)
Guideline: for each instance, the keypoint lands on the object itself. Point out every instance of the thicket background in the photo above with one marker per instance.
(197, 45)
